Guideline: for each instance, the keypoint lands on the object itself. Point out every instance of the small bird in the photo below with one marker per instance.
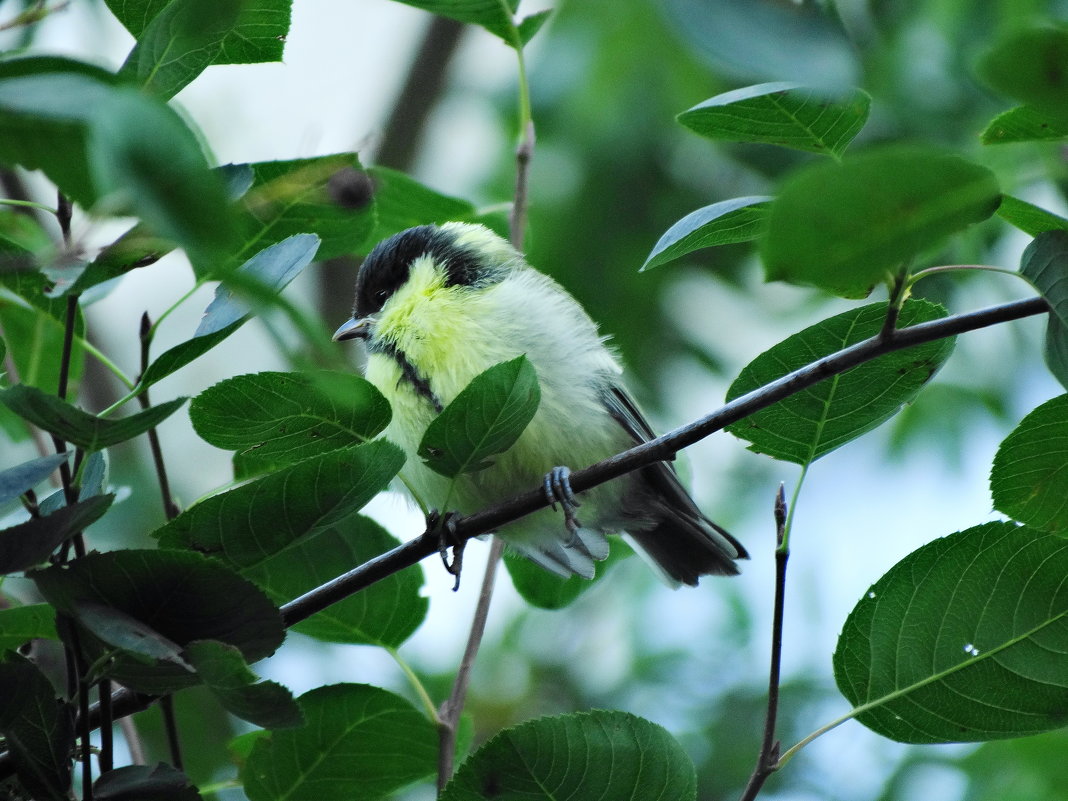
(436, 306)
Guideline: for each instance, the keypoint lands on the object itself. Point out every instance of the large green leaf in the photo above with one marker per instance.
(183, 596)
(1029, 479)
(1045, 264)
(359, 742)
(276, 419)
(1028, 217)
(20, 624)
(28, 544)
(160, 782)
(815, 421)
(255, 521)
(485, 419)
(846, 227)
(16, 480)
(965, 639)
(493, 15)
(741, 219)
(402, 203)
(785, 114)
(546, 590)
(1024, 124)
(71, 424)
(1029, 64)
(387, 613)
(601, 754)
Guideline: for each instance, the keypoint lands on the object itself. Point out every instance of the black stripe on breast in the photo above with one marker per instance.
(408, 373)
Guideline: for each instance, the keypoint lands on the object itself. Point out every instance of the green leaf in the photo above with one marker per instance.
(117, 628)
(493, 15)
(830, 228)
(1029, 65)
(1028, 481)
(530, 25)
(403, 203)
(386, 614)
(545, 590)
(31, 543)
(600, 754)
(182, 595)
(38, 729)
(20, 624)
(84, 430)
(277, 419)
(485, 419)
(251, 523)
(1045, 264)
(180, 42)
(138, 247)
(814, 422)
(294, 197)
(159, 782)
(785, 114)
(1024, 124)
(225, 672)
(963, 640)
(261, 277)
(1030, 218)
(258, 36)
(16, 480)
(741, 219)
(24, 244)
(34, 337)
(174, 359)
(359, 742)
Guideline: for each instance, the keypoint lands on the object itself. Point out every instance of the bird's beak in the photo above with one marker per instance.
(356, 328)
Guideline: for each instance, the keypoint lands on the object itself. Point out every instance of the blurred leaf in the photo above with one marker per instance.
(117, 628)
(485, 419)
(224, 670)
(1030, 65)
(1028, 481)
(600, 754)
(251, 523)
(23, 243)
(830, 229)
(785, 114)
(493, 15)
(159, 782)
(294, 197)
(387, 613)
(34, 338)
(20, 624)
(277, 419)
(270, 270)
(38, 729)
(358, 742)
(963, 640)
(530, 25)
(31, 543)
(1045, 264)
(741, 219)
(174, 359)
(402, 203)
(258, 36)
(138, 247)
(179, 43)
(86, 431)
(545, 590)
(816, 421)
(1023, 124)
(1029, 218)
(182, 595)
(16, 480)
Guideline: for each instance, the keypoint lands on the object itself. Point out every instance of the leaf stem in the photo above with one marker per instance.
(946, 268)
(170, 508)
(413, 680)
(29, 204)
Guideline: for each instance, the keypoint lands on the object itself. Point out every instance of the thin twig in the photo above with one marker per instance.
(170, 508)
(449, 715)
(170, 725)
(768, 759)
(107, 744)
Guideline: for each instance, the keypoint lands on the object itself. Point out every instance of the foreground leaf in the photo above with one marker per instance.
(785, 114)
(71, 424)
(485, 419)
(1029, 64)
(493, 15)
(358, 742)
(16, 480)
(599, 754)
(30, 543)
(1024, 124)
(739, 220)
(1028, 217)
(964, 640)
(1028, 481)
(20, 624)
(837, 410)
(1045, 264)
(830, 229)
(545, 590)
(159, 782)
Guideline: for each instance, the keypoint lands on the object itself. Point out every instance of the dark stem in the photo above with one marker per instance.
(64, 212)
(449, 716)
(523, 153)
(768, 759)
(107, 743)
(170, 508)
(897, 300)
(170, 725)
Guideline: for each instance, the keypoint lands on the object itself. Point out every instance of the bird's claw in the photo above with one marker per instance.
(558, 490)
(444, 526)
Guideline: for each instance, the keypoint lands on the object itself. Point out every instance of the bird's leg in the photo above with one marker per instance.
(558, 489)
(444, 525)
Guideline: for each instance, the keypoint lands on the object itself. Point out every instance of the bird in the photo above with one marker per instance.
(435, 306)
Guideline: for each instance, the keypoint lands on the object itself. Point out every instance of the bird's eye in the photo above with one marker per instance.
(381, 295)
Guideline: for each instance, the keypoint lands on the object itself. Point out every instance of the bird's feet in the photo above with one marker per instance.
(558, 490)
(444, 527)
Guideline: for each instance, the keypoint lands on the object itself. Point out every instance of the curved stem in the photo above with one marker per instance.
(948, 268)
(413, 680)
(29, 204)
